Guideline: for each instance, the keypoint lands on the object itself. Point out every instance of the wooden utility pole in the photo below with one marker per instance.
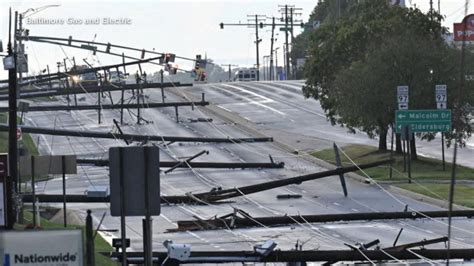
(12, 128)
(271, 48)
(230, 71)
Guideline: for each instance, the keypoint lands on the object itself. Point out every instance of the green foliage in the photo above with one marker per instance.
(427, 169)
(463, 194)
(355, 63)
(27, 141)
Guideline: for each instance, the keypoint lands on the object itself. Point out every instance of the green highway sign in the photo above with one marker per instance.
(423, 120)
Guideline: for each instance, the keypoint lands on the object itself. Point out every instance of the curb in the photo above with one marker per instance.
(423, 198)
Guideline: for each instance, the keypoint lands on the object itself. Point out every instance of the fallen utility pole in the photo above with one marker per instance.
(422, 243)
(246, 190)
(67, 74)
(90, 47)
(130, 137)
(218, 194)
(81, 198)
(299, 256)
(165, 164)
(43, 108)
(93, 89)
(70, 40)
(235, 221)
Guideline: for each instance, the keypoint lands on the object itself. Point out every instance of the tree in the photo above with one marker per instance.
(355, 63)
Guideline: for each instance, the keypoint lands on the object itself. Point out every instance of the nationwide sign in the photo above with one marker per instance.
(423, 120)
(41, 248)
(464, 31)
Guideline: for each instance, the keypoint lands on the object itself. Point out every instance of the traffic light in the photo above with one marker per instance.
(261, 25)
(169, 58)
(107, 49)
(69, 41)
(198, 60)
(302, 24)
(222, 25)
(143, 54)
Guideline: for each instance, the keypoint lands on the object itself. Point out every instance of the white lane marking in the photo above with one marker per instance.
(355, 210)
(337, 204)
(196, 236)
(169, 221)
(222, 107)
(258, 103)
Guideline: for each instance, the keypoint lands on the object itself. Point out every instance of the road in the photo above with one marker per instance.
(272, 108)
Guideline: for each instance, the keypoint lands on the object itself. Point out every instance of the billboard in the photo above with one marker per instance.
(464, 31)
(41, 248)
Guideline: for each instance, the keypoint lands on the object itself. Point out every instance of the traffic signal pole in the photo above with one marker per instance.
(258, 24)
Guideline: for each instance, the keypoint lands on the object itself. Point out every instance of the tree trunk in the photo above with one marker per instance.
(398, 144)
(383, 138)
(414, 156)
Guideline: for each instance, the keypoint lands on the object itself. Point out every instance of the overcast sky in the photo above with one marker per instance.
(183, 27)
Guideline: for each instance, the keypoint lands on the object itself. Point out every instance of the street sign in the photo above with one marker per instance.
(284, 29)
(402, 106)
(441, 96)
(316, 24)
(402, 97)
(441, 105)
(402, 94)
(423, 120)
(48, 165)
(134, 181)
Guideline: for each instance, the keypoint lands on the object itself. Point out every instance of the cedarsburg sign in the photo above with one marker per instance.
(42, 248)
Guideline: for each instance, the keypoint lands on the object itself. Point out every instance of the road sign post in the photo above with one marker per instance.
(135, 190)
(441, 96)
(402, 97)
(441, 103)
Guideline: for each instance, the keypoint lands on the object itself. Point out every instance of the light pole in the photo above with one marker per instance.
(21, 16)
(265, 66)
(276, 62)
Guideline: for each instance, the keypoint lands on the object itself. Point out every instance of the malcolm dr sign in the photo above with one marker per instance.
(41, 248)
(423, 120)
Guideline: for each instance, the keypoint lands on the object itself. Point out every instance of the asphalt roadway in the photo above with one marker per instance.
(275, 109)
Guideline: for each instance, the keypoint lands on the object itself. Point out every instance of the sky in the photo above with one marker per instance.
(183, 27)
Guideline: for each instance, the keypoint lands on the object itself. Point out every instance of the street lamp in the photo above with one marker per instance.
(265, 67)
(276, 61)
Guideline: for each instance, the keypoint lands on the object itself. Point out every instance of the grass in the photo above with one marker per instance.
(463, 195)
(99, 243)
(433, 180)
(27, 141)
(421, 169)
